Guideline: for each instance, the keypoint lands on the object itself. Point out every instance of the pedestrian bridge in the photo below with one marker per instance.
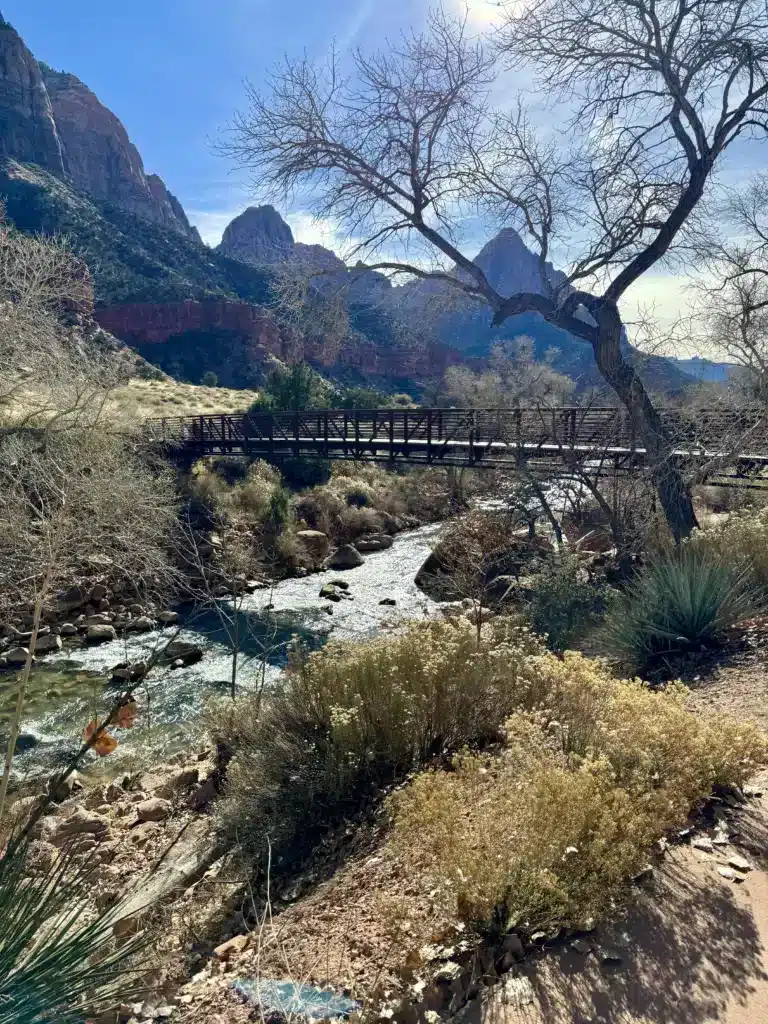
(733, 444)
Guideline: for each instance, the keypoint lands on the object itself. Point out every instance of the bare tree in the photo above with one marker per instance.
(67, 497)
(731, 302)
(657, 89)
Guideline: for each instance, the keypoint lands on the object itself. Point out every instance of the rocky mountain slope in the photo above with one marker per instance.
(438, 311)
(51, 119)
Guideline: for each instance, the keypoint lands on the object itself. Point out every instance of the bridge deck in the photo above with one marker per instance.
(460, 437)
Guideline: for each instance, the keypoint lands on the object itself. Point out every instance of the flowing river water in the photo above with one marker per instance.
(69, 688)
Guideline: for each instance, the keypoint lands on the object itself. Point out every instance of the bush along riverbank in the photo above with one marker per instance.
(465, 802)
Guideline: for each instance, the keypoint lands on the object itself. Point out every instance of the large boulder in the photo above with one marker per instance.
(141, 624)
(16, 655)
(46, 644)
(345, 557)
(315, 543)
(154, 809)
(100, 633)
(72, 599)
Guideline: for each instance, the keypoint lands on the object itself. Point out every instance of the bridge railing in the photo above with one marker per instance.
(532, 425)
(582, 427)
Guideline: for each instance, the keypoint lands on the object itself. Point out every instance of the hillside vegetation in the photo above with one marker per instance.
(130, 259)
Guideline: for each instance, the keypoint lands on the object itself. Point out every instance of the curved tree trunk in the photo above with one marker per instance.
(667, 477)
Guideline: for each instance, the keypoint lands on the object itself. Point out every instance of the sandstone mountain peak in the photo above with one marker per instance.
(52, 119)
(258, 235)
(511, 267)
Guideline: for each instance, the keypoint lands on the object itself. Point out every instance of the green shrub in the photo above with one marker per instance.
(684, 599)
(280, 512)
(566, 602)
(594, 772)
(355, 716)
(305, 471)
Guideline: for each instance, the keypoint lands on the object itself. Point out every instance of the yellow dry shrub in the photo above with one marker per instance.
(353, 716)
(208, 487)
(595, 771)
(530, 846)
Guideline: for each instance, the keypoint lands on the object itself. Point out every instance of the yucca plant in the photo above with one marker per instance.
(54, 960)
(685, 599)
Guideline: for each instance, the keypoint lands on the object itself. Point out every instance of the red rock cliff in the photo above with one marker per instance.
(155, 323)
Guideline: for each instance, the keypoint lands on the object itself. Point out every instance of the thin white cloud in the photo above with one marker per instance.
(211, 223)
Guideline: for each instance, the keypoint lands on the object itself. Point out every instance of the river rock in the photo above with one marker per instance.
(24, 638)
(330, 593)
(63, 790)
(189, 653)
(100, 633)
(25, 741)
(99, 619)
(9, 631)
(80, 822)
(141, 624)
(72, 599)
(167, 618)
(130, 672)
(315, 542)
(345, 557)
(17, 655)
(98, 592)
(46, 644)
(234, 945)
(154, 809)
(389, 602)
(374, 542)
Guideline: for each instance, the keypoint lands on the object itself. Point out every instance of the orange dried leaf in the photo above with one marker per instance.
(105, 744)
(126, 716)
(90, 729)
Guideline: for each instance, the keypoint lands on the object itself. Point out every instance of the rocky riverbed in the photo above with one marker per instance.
(71, 685)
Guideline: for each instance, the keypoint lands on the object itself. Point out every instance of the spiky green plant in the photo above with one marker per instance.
(685, 599)
(54, 959)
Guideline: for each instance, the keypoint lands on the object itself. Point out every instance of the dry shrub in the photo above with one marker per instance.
(594, 771)
(248, 499)
(741, 541)
(254, 494)
(353, 717)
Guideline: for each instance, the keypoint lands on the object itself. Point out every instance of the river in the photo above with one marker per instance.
(69, 688)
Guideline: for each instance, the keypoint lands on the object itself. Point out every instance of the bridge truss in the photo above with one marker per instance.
(721, 446)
